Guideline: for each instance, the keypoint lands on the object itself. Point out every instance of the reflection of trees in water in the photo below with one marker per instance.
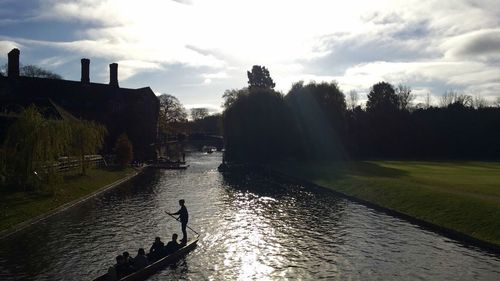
(306, 209)
(143, 184)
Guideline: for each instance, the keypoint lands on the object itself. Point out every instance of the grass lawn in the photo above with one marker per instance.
(464, 196)
(16, 207)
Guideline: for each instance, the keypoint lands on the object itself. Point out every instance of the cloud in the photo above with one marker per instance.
(6, 46)
(53, 61)
(482, 44)
(217, 75)
(198, 46)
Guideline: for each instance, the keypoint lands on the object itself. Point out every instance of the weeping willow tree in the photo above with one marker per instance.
(32, 146)
(87, 138)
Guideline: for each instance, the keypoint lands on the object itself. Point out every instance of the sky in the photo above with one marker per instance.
(197, 49)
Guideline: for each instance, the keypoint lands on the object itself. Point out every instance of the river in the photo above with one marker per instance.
(252, 228)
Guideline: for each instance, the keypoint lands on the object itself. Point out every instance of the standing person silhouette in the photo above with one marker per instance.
(183, 218)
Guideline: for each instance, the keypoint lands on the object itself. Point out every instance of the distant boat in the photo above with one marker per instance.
(165, 163)
(209, 149)
(149, 270)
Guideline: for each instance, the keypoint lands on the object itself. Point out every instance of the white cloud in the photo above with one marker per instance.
(356, 42)
(6, 46)
(482, 44)
(217, 75)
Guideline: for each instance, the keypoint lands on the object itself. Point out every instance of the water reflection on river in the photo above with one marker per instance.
(253, 228)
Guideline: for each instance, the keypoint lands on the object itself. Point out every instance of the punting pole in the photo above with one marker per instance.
(186, 225)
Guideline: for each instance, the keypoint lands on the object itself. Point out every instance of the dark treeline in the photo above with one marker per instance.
(314, 122)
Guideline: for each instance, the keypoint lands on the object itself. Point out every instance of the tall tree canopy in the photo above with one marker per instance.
(171, 112)
(231, 95)
(258, 127)
(382, 98)
(319, 111)
(259, 77)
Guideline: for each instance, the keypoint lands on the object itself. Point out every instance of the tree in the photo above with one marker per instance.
(382, 98)
(199, 113)
(124, 151)
(171, 112)
(31, 70)
(230, 96)
(33, 145)
(496, 103)
(428, 100)
(257, 127)
(319, 110)
(87, 138)
(385, 125)
(479, 102)
(452, 97)
(259, 77)
(405, 96)
(352, 100)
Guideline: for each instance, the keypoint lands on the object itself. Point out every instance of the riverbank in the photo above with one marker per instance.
(460, 196)
(18, 209)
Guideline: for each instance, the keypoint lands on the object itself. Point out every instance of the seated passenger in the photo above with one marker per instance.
(122, 269)
(156, 250)
(140, 261)
(128, 259)
(172, 246)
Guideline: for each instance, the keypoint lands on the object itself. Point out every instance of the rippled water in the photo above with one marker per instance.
(253, 228)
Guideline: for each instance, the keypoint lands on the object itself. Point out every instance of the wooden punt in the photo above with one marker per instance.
(151, 269)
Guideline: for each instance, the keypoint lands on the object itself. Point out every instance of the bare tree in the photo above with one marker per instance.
(405, 96)
(199, 113)
(496, 103)
(447, 98)
(428, 100)
(452, 97)
(352, 100)
(479, 102)
(31, 70)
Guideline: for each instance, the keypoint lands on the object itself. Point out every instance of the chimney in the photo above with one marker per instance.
(13, 68)
(85, 71)
(113, 74)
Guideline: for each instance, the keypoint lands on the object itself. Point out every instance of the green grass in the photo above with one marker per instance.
(16, 207)
(463, 196)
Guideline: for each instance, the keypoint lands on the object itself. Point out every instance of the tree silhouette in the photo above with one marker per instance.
(405, 97)
(31, 70)
(230, 96)
(199, 113)
(257, 127)
(382, 98)
(319, 111)
(259, 77)
(171, 112)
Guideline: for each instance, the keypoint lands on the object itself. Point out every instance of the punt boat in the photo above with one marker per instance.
(152, 268)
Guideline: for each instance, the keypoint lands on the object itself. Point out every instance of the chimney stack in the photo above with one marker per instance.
(113, 74)
(85, 71)
(13, 68)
